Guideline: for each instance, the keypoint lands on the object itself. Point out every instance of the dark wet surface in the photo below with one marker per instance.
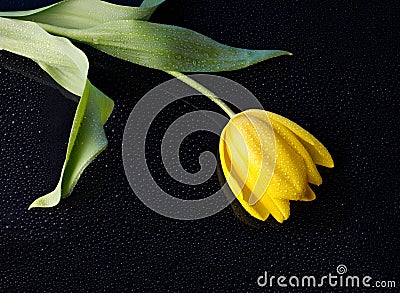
(341, 84)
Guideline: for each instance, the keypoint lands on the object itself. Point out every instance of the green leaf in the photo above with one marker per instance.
(86, 141)
(164, 47)
(85, 13)
(25, 12)
(151, 3)
(68, 66)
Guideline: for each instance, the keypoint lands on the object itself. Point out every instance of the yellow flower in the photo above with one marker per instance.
(268, 160)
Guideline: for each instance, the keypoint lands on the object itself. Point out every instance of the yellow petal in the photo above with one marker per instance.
(236, 185)
(252, 148)
(283, 210)
(247, 157)
(290, 176)
(278, 208)
(312, 173)
(258, 211)
(309, 195)
(318, 152)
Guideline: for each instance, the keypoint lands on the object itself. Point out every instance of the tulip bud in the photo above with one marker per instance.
(268, 160)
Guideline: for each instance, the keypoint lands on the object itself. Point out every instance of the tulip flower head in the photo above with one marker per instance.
(269, 160)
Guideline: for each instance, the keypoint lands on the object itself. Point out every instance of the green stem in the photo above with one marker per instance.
(77, 35)
(202, 89)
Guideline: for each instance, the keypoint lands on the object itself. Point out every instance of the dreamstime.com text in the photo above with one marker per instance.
(332, 280)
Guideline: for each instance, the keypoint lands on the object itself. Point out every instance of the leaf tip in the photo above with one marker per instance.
(280, 53)
(37, 204)
(47, 201)
(261, 55)
(34, 205)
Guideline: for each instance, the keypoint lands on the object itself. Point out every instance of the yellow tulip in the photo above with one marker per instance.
(268, 160)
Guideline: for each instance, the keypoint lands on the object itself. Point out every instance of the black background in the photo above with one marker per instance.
(341, 84)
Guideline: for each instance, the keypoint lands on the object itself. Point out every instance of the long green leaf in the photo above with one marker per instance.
(25, 12)
(57, 56)
(151, 3)
(68, 66)
(164, 47)
(85, 13)
(86, 141)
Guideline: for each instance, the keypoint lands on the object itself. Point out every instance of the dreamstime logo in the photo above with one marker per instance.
(341, 269)
(133, 148)
(331, 280)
